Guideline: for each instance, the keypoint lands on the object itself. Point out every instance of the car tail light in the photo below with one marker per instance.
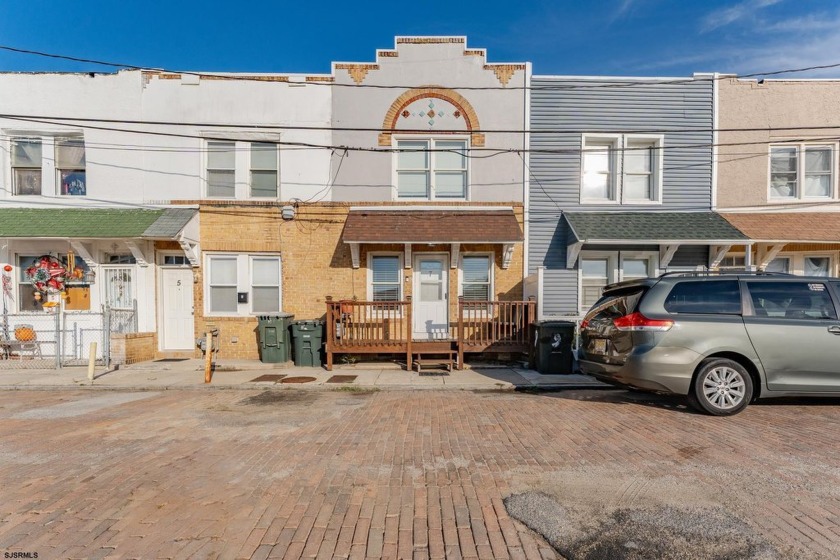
(638, 322)
(584, 324)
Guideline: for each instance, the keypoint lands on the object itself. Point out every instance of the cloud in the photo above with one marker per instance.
(738, 12)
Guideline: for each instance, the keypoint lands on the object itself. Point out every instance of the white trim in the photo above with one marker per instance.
(526, 175)
(615, 261)
(572, 253)
(354, 254)
(799, 196)
(717, 252)
(614, 166)
(400, 267)
(666, 254)
(765, 254)
(491, 271)
(138, 253)
(442, 208)
(251, 286)
(407, 251)
(454, 250)
(716, 77)
(432, 139)
(243, 281)
(507, 254)
(617, 174)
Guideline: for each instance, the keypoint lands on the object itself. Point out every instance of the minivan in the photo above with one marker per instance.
(723, 340)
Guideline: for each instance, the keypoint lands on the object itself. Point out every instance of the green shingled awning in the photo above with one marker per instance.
(652, 227)
(78, 223)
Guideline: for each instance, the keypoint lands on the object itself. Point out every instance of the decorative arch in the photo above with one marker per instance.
(412, 95)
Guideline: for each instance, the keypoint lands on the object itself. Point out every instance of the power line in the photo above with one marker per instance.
(614, 82)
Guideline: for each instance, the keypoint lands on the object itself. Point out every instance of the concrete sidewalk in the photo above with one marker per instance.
(232, 374)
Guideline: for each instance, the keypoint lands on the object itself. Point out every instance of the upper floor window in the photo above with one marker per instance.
(70, 163)
(27, 166)
(221, 169)
(801, 171)
(264, 167)
(621, 168)
(432, 168)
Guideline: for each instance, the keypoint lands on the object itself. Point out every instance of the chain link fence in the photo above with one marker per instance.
(38, 340)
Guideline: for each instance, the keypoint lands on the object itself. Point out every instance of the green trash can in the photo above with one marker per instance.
(274, 337)
(307, 338)
(554, 341)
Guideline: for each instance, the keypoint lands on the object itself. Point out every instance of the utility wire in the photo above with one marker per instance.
(614, 82)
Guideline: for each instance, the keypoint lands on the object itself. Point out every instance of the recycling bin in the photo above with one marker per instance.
(554, 343)
(273, 332)
(307, 339)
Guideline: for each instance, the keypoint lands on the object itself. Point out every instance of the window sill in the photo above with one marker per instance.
(600, 201)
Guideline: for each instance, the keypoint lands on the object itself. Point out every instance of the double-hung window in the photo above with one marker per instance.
(476, 277)
(599, 268)
(802, 171)
(621, 168)
(221, 169)
(385, 276)
(264, 166)
(432, 169)
(26, 165)
(243, 284)
(70, 164)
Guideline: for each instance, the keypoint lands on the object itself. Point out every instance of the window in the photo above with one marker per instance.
(733, 262)
(175, 260)
(26, 291)
(621, 168)
(385, 275)
(265, 284)
(70, 163)
(817, 266)
(716, 298)
(221, 169)
(476, 277)
(791, 300)
(26, 166)
(779, 265)
(120, 259)
(600, 268)
(432, 169)
(223, 282)
(801, 171)
(264, 165)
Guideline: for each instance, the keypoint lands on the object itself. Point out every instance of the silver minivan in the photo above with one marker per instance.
(721, 340)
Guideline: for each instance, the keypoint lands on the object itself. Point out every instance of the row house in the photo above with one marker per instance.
(777, 173)
(622, 185)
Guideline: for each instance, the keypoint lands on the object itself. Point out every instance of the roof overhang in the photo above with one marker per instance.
(787, 227)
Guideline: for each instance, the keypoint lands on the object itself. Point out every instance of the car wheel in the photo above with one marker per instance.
(722, 387)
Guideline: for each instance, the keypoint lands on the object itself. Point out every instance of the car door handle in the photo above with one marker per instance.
(834, 329)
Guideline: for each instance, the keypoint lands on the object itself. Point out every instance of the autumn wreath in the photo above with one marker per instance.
(47, 275)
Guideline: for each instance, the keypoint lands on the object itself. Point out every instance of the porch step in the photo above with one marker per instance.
(446, 361)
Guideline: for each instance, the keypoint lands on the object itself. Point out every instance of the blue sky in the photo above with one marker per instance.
(603, 37)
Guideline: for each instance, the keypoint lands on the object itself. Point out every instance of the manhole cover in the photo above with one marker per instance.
(297, 380)
(341, 379)
(274, 378)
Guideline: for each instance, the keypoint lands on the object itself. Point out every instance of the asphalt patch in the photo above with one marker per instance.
(342, 379)
(662, 532)
(275, 397)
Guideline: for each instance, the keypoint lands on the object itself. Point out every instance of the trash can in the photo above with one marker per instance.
(307, 338)
(274, 337)
(554, 342)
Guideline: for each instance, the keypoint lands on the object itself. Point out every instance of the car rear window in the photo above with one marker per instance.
(792, 300)
(616, 304)
(705, 297)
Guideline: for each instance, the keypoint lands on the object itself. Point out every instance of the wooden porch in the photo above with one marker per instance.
(385, 327)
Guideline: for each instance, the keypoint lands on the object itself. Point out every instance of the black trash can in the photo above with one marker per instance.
(554, 341)
(307, 338)
(274, 337)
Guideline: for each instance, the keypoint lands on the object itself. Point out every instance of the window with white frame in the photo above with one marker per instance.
(221, 169)
(70, 166)
(623, 169)
(265, 162)
(779, 264)
(432, 169)
(477, 277)
(27, 161)
(802, 171)
(265, 284)
(258, 276)
(817, 266)
(600, 268)
(385, 276)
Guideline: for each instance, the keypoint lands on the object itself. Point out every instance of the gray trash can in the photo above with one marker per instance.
(307, 338)
(554, 341)
(274, 337)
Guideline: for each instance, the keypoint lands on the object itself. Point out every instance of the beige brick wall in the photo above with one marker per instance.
(131, 348)
(316, 263)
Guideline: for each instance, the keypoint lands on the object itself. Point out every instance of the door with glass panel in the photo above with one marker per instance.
(431, 297)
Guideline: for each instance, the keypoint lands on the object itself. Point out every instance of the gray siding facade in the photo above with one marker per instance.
(565, 109)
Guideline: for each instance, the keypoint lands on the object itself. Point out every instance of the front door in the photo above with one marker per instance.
(177, 308)
(431, 297)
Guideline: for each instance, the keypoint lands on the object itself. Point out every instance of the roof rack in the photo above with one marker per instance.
(723, 273)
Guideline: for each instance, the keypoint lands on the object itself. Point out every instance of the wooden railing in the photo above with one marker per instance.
(382, 327)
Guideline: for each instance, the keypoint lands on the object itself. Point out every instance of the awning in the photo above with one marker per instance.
(788, 227)
(669, 230)
(79, 224)
(432, 225)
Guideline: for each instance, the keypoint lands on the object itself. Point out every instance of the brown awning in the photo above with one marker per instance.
(461, 225)
(785, 227)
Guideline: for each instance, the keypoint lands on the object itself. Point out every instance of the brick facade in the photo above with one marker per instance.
(315, 262)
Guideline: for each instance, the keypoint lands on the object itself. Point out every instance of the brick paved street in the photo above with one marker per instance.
(394, 474)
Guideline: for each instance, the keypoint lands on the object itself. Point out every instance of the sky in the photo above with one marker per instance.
(571, 37)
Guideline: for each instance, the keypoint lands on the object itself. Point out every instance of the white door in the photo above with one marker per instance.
(177, 309)
(431, 297)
